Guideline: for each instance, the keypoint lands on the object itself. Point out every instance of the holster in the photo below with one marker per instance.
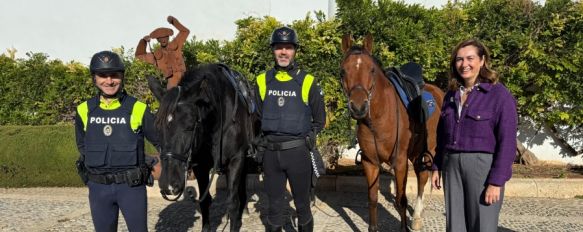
(135, 177)
(82, 171)
(311, 141)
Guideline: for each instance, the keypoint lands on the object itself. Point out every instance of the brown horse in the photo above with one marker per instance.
(386, 133)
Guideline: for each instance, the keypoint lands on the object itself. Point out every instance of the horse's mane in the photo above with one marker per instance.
(358, 50)
(190, 82)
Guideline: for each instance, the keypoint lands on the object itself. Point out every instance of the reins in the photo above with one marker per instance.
(369, 122)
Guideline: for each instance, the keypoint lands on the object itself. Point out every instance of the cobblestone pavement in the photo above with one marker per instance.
(66, 209)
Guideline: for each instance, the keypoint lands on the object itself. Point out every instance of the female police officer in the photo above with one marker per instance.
(292, 109)
(110, 130)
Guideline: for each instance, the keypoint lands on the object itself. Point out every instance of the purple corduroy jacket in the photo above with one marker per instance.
(488, 124)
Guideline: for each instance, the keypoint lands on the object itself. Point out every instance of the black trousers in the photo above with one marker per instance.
(293, 165)
(106, 200)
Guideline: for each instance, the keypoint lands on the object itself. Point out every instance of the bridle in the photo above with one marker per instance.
(369, 92)
(187, 157)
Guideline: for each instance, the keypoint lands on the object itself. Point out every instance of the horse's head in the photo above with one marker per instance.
(359, 71)
(179, 126)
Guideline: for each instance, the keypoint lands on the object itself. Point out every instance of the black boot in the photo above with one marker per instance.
(272, 228)
(308, 227)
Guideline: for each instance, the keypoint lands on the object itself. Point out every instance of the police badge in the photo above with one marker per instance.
(280, 101)
(107, 130)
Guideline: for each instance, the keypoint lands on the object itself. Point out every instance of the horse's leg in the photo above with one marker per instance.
(422, 177)
(203, 184)
(401, 168)
(237, 194)
(372, 173)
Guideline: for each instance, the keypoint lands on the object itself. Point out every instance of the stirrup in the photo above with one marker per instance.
(358, 157)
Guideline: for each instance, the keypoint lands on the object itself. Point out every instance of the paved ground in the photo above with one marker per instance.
(66, 209)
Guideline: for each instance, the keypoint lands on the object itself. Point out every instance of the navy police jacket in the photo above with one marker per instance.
(110, 137)
(292, 103)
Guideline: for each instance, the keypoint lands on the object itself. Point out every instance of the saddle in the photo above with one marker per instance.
(241, 85)
(408, 81)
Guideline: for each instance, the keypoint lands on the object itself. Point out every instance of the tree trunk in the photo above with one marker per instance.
(523, 155)
(561, 141)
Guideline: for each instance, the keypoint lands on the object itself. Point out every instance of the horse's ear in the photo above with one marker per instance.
(367, 43)
(346, 42)
(205, 92)
(156, 87)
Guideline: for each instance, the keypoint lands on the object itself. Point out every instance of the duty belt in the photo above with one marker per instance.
(279, 146)
(132, 177)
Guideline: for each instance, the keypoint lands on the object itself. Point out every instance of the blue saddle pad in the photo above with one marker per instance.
(425, 97)
(430, 101)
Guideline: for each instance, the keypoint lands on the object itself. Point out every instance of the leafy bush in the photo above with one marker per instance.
(536, 49)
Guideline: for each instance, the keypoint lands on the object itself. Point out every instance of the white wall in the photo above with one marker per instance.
(538, 141)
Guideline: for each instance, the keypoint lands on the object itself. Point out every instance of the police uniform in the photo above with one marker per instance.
(110, 139)
(292, 108)
(110, 130)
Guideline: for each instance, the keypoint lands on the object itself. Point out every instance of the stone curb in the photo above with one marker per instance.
(517, 187)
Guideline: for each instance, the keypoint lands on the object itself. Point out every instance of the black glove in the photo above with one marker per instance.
(151, 161)
(260, 144)
(82, 171)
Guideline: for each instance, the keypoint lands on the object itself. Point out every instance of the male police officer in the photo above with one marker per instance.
(110, 130)
(292, 114)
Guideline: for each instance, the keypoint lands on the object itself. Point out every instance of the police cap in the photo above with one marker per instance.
(106, 62)
(284, 35)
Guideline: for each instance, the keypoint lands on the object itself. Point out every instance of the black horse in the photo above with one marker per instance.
(204, 124)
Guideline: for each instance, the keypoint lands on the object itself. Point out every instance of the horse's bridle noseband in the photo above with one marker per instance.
(185, 158)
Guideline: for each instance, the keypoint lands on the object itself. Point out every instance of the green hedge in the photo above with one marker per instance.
(536, 49)
(39, 156)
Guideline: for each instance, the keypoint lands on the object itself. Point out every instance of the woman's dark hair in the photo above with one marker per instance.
(486, 75)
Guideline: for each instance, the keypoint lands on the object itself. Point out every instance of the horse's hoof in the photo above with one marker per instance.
(235, 226)
(417, 223)
(206, 228)
(373, 228)
(246, 213)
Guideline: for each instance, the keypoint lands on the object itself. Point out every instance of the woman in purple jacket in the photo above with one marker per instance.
(476, 141)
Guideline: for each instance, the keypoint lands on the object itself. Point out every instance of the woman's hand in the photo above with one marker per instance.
(492, 194)
(436, 180)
